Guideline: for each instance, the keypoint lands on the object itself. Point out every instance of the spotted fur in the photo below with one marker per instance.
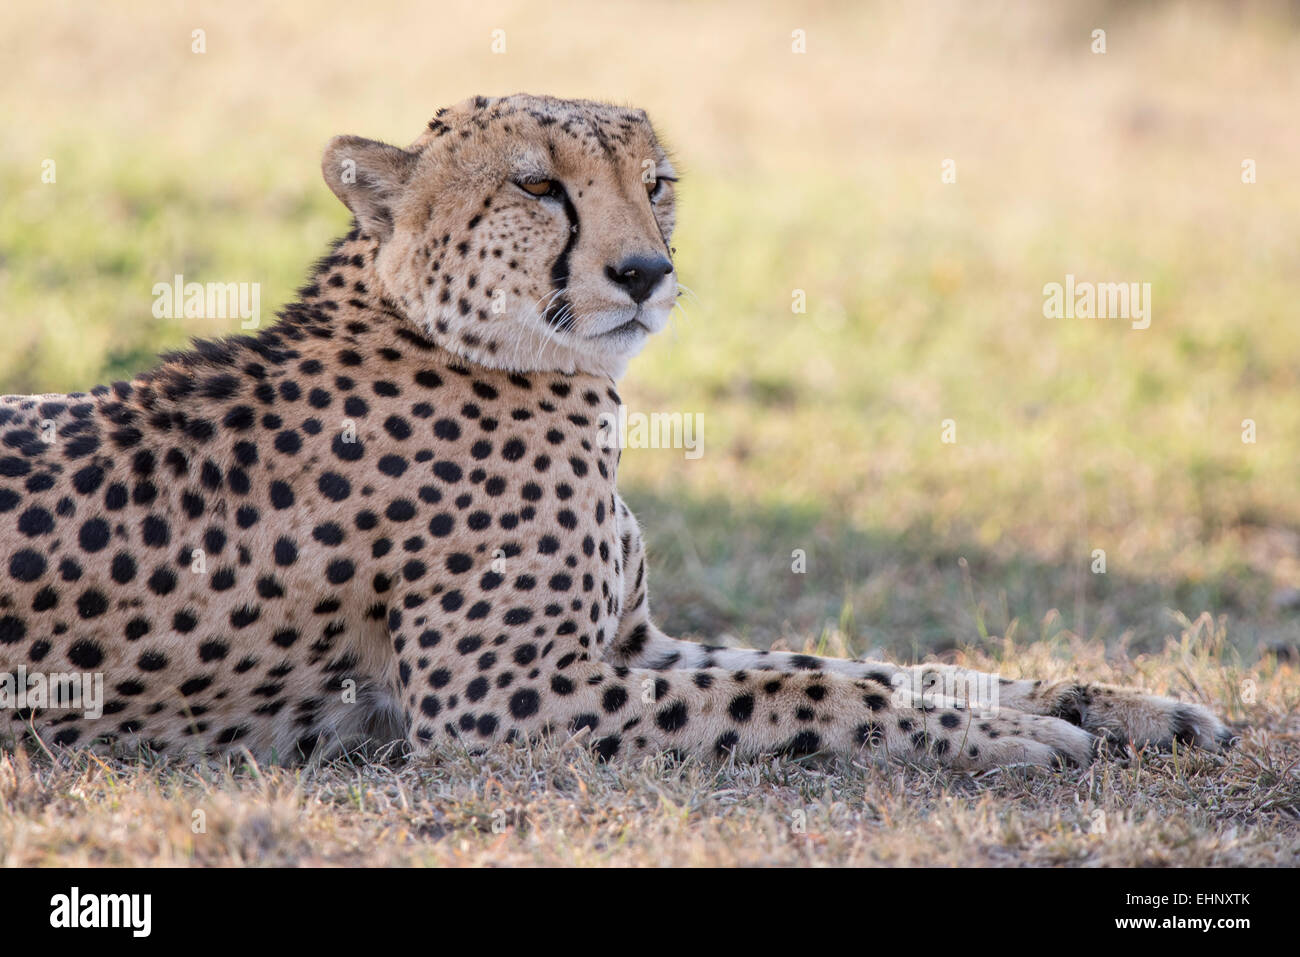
(388, 515)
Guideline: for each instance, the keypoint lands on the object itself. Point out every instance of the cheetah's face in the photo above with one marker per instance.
(523, 232)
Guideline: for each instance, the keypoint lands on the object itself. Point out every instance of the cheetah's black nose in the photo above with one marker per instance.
(639, 275)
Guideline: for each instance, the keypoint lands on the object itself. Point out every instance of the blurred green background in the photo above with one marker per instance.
(819, 172)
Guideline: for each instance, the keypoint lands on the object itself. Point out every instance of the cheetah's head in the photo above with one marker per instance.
(522, 232)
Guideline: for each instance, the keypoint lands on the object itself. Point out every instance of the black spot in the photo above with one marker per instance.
(88, 479)
(153, 531)
(12, 630)
(741, 708)
(327, 533)
(348, 451)
(27, 565)
(281, 495)
(123, 569)
(288, 442)
(870, 734)
(673, 717)
(240, 418)
(400, 510)
(162, 581)
(561, 685)
(397, 427)
(613, 699)
(803, 743)
(448, 471)
(85, 654)
(339, 571)
(524, 703)
(213, 651)
(584, 721)
(35, 521)
(334, 486)
(92, 603)
(393, 465)
(194, 685)
(726, 743)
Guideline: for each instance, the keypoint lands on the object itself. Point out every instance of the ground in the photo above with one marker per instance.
(821, 429)
(553, 805)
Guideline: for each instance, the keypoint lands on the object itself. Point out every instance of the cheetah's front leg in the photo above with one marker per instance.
(712, 712)
(1120, 716)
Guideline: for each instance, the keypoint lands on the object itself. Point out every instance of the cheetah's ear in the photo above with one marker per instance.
(369, 177)
(466, 107)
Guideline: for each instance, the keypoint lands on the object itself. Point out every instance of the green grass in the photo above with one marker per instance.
(818, 173)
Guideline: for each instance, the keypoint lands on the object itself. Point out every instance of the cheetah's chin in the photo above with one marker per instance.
(627, 324)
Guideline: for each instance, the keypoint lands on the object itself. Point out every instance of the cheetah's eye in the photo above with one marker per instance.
(655, 188)
(539, 187)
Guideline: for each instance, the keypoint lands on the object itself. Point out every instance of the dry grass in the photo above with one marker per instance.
(551, 804)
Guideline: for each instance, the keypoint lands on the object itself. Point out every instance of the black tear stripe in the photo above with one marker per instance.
(555, 312)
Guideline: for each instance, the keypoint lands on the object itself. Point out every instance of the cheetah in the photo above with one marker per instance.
(389, 517)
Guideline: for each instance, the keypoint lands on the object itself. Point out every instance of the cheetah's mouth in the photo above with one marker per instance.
(631, 325)
(646, 320)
